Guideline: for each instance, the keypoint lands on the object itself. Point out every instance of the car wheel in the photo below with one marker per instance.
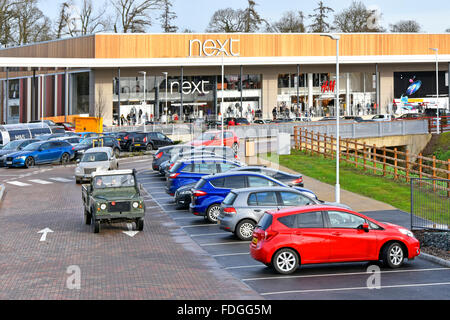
(393, 255)
(65, 158)
(95, 226)
(285, 261)
(87, 217)
(140, 224)
(213, 213)
(235, 147)
(150, 147)
(29, 162)
(244, 230)
(117, 153)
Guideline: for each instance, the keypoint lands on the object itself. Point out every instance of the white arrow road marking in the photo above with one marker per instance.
(130, 231)
(60, 179)
(44, 233)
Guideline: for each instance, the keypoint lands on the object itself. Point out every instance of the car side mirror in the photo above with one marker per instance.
(365, 227)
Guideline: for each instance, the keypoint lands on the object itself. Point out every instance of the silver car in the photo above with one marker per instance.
(242, 209)
(95, 159)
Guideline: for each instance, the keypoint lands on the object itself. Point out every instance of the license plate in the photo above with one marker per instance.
(8, 162)
(137, 145)
(218, 221)
(255, 241)
(119, 139)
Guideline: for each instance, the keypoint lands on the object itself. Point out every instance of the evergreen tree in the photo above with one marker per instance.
(167, 17)
(320, 17)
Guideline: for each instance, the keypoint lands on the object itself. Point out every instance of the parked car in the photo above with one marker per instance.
(165, 153)
(49, 136)
(214, 138)
(326, 234)
(41, 152)
(328, 119)
(149, 141)
(383, 117)
(287, 178)
(50, 123)
(95, 159)
(126, 140)
(14, 146)
(73, 140)
(210, 191)
(410, 116)
(262, 121)
(222, 151)
(113, 197)
(192, 154)
(354, 118)
(237, 121)
(67, 126)
(183, 196)
(242, 209)
(94, 142)
(191, 170)
(86, 135)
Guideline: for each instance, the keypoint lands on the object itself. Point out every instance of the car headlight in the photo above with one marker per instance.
(407, 233)
(135, 205)
(103, 206)
(78, 170)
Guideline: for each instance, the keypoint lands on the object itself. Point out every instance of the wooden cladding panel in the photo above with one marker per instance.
(270, 45)
(267, 45)
(83, 47)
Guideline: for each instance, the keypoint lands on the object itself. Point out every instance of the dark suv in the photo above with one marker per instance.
(149, 141)
(94, 142)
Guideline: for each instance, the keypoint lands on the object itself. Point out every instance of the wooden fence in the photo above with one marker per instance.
(400, 165)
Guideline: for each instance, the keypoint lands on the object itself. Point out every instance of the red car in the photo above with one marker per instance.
(67, 126)
(214, 138)
(326, 234)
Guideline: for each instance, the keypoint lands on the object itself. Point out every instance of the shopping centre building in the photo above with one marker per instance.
(159, 75)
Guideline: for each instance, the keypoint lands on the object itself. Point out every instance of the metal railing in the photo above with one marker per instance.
(430, 204)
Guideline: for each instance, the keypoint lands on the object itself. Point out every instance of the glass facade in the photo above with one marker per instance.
(313, 94)
(192, 98)
(80, 93)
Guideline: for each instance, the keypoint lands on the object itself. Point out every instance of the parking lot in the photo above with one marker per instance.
(177, 256)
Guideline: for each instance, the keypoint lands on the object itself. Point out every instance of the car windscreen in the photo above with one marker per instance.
(265, 222)
(95, 156)
(206, 136)
(176, 167)
(200, 184)
(229, 199)
(13, 145)
(114, 181)
(32, 146)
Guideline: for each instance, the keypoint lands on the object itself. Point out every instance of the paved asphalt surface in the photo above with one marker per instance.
(177, 256)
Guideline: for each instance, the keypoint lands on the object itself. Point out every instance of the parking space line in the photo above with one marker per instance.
(357, 288)
(60, 179)
(200, 225)
(224, 243)
(38, 181)
(230, 254)
(19, 184)
(245, 267)
(209, 234)
(343, 274)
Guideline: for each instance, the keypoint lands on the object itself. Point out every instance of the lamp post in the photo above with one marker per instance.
(167, 110)
(338, 142)
(436, 50)
(145, 89)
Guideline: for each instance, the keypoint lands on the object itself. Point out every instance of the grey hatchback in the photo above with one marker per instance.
(242, 209)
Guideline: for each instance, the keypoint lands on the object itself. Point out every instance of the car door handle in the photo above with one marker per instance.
(257, 210)
(298, 233)
(337, 234)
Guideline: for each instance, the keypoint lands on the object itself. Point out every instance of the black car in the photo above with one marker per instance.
(183, 196)
(94, 142)
(293, 180)
(126, 139)
(14, 146)
(149, 141)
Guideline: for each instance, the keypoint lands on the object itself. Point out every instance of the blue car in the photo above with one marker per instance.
(192, 170)
(41, 152)
(210, 191)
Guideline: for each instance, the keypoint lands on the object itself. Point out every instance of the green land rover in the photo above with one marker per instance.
(113, 197)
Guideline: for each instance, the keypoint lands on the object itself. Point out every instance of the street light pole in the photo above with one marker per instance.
(222, 105)
(338, 142)
(436, 50)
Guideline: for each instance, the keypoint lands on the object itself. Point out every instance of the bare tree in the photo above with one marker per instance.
(100, 104)
(227, 20)
(405, 26)
(92, 21)
(320, 18)
(31, 24)
(6, 22)
(252, 19)
(357, 18)
(167, 16)
(291, 21)
(134, 15)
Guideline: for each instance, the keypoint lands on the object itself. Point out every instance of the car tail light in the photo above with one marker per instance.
(269, 234)
(125, 138)
(199, 193)
(170, 167)
(229, 210)
(299, 180)
(145, 139)
(174, 175)
(159, 155)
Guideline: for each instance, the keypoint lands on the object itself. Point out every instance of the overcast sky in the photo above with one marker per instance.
(432, 15)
